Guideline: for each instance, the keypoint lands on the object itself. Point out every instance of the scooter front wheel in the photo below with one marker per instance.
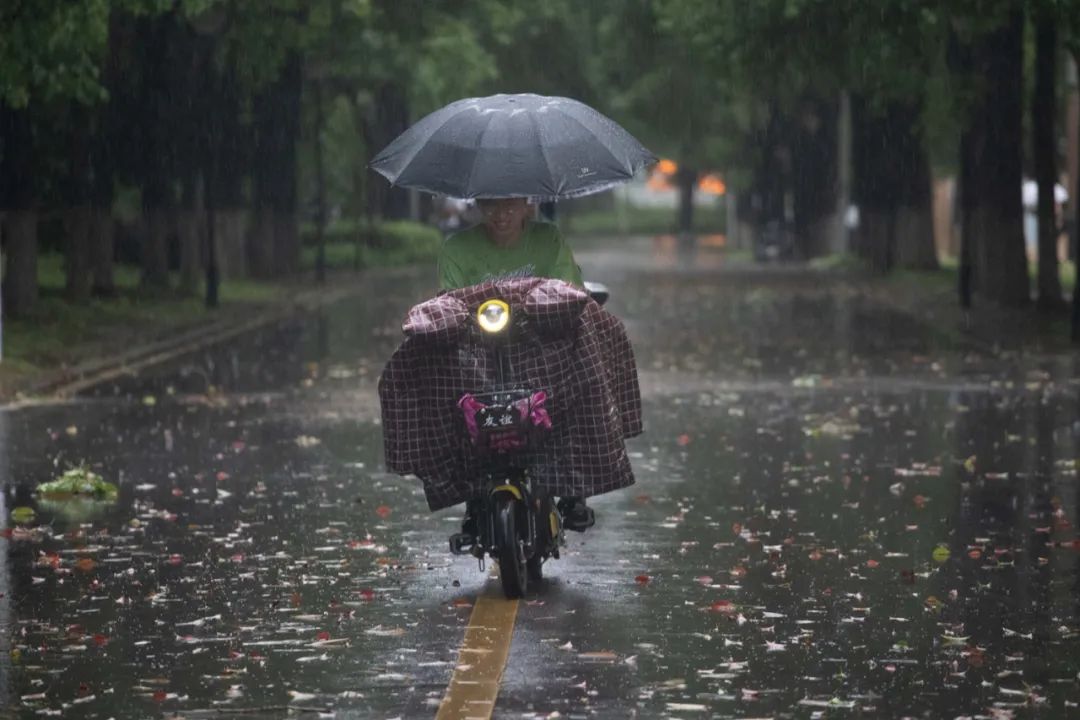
(511, 554)
(545, 539)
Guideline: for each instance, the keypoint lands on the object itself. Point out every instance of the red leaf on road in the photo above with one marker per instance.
(323, 636)
(683, 440)
(383, 511)
(642, 579)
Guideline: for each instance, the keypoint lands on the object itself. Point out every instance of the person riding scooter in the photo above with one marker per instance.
(509, 244)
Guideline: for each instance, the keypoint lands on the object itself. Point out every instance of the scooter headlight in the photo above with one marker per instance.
(493, 316)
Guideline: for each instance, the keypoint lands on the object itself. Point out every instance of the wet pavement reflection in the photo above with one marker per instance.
(839, 512)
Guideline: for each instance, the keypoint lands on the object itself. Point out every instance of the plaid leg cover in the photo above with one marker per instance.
(563, 343)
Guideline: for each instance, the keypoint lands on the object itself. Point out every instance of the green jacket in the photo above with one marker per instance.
(469, 257)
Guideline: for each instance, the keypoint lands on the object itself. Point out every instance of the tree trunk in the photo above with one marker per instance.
(109, 136)
(102, 251)
(1074, 241)
(960, 60)
(75, 190)
(17, 190)
(286, 243)
(158, 114)
(277, 126)
(994, 232)
(261, 243)
(157, 223)
(1043, 113)
(20, 271)
(233, 254)
(78, 225)
(189, 224)
(914, 230)
(891, 187)
(875, 183)
(915, 248)
(814, 175)
(686, 179)
(876, 239)
(320, 188)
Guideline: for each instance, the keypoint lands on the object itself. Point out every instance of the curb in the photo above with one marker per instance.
(65, 383)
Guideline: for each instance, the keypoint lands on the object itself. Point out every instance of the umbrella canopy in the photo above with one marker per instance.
(513, 146)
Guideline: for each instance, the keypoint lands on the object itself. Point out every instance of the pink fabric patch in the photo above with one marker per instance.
(531, 408)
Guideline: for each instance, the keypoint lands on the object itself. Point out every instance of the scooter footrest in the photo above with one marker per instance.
(462, 543)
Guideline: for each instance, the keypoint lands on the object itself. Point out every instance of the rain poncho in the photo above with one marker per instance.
(564, 344)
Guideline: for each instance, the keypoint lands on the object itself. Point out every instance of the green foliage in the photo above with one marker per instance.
(78, 482)
(651, 70)
(393, 243)
(52, 49)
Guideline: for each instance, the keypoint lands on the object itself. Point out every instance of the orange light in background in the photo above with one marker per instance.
(668, 167)
(712, 184)
(658, 182)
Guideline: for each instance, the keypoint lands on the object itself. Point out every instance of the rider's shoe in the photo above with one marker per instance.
(470, 525)
(576, 514)
(466, 541)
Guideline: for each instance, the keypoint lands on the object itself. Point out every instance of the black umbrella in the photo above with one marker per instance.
(513, 146)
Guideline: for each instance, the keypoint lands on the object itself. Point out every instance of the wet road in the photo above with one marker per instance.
(839, 513)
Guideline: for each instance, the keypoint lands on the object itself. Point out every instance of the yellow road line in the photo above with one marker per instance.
(475, 683)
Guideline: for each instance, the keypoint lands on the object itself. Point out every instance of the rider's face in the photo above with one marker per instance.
(504, 217)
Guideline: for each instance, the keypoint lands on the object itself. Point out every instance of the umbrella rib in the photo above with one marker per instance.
(479, 144)
(600, 141)
(420, 145)
(543, 151)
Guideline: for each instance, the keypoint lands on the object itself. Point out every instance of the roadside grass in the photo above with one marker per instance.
(343, 255)
(59, 332)
(350, 245)
(942, 278)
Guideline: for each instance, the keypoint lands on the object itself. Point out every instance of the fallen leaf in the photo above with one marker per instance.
(23, 515)
(85, 564)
